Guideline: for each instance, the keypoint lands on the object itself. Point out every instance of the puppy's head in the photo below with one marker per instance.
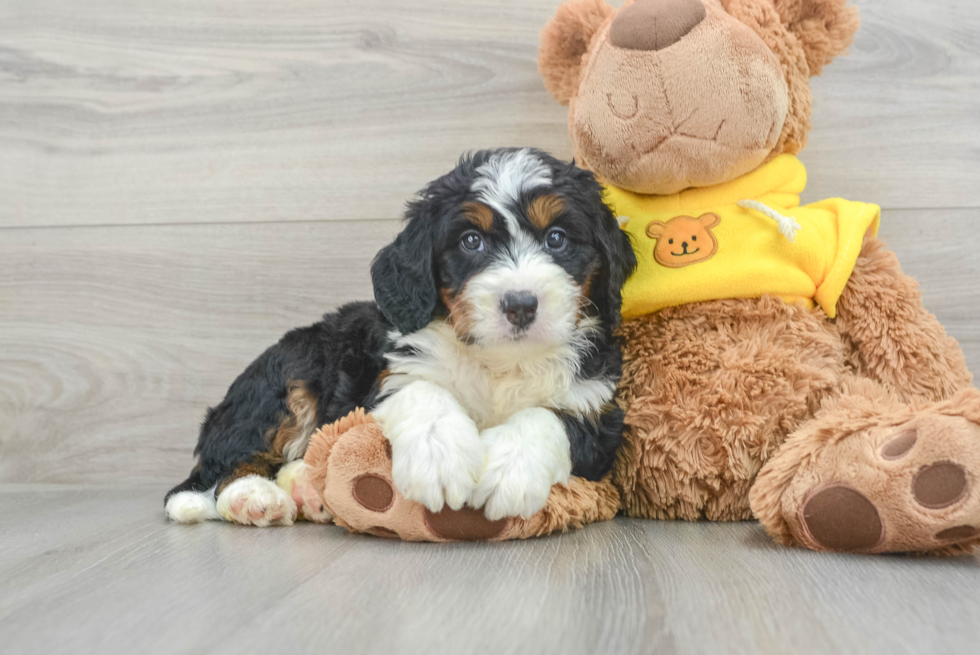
(511, 246)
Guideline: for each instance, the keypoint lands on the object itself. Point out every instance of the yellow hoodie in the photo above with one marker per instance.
(741, 239)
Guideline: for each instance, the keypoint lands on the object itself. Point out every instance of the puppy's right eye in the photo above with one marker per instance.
(471, 242)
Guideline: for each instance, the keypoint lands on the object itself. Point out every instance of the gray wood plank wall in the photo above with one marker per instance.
(182, 182)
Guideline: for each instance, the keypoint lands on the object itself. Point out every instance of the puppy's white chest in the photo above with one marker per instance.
(505, 394)
(491, 387)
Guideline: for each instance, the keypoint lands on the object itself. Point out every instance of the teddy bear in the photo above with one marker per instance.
(778, 365)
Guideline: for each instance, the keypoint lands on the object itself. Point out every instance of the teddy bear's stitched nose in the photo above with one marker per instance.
(655, 24)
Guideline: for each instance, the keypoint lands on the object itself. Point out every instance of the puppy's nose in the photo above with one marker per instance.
(655, 24)
(520, 308)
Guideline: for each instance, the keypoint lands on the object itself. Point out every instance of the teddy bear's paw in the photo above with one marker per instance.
(383, 512)
(360, 491)
(254, 500)
(357, 485)
(897, 489)
(293, 478)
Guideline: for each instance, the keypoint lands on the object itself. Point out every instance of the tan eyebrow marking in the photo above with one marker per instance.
(478, 214)
(544, 209)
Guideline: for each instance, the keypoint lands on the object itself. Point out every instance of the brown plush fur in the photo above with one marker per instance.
(824, 28)
(847, 434)
(806, 35)
(570, 506)
(716, 392)
(707, 102)
(761, 16)
(708, 107)
(897, 353)
(565, 43)
(742, 407)
(889, 335)
(712, 390)
(322, 443)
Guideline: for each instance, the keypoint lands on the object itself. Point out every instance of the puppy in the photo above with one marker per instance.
(488, 358)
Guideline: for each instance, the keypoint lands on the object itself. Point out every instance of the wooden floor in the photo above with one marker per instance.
(98, 571)
(182, 181)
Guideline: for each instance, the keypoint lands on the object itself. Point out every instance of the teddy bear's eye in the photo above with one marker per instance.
(671, 241)
(694, 238)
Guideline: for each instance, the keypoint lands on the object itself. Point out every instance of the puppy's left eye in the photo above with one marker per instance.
(556, 239)
(471, 241)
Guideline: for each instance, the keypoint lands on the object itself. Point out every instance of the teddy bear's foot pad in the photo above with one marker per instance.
(464, 524)
(839, 517)
(376, 494)
(912, 491)
(358, 488)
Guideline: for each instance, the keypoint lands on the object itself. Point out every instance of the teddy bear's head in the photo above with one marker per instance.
(669, 94)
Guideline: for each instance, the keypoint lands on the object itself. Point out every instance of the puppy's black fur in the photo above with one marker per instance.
(337, 362)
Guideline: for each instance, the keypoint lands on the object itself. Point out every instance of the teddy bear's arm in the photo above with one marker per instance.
(891, 337)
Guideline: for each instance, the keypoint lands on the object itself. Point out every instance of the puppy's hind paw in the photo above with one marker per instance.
(192, 507)
(258, 501)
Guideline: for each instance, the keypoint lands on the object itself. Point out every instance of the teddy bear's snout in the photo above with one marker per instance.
(655, 24)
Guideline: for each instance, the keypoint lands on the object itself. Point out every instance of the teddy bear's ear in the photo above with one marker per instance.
(565, 42)
(825, 28)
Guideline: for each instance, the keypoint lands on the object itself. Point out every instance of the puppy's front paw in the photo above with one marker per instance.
(524, 459)
(254, 500)
(438, 462)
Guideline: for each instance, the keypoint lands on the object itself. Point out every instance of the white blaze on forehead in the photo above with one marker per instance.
(522, 264)
(505, 176)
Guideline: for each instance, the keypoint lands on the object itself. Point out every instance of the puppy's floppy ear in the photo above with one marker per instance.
(613, 244)
(404, 284)
(564, 43)
(621, 261)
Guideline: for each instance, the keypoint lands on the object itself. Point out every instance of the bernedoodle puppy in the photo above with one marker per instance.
(488, 356)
